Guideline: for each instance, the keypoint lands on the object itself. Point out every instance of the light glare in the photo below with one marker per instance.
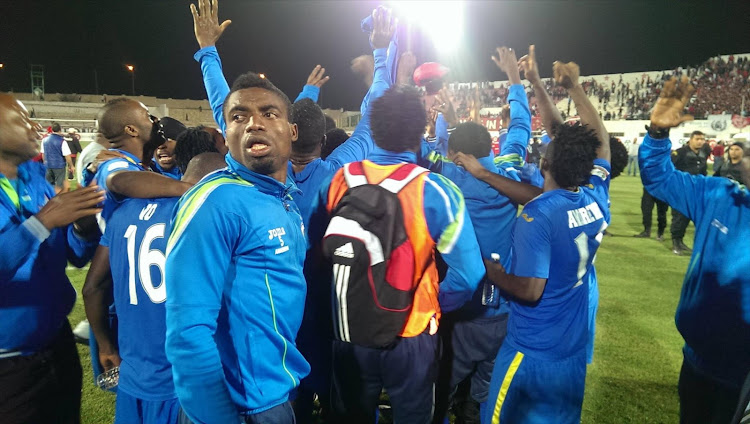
(442, 21)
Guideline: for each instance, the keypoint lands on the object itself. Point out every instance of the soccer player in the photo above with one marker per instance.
(554, 244)
(40, 373)
(307, 172)
(435, 217)
(713, 314)
(133, 248)
(164, 162)
(474, 333)
(234, 271)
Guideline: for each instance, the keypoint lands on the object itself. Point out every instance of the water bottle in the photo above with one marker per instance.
(108, 379)
(490, 293)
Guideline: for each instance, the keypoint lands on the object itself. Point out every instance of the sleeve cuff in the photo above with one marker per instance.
(204, 51)
(515, 92)
(35, 227)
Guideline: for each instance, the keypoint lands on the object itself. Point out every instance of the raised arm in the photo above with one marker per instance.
(566, 74)
(207, 32)
(547, 110)
(145, 185)
(359, 145)
(315, 81)
(513, 150)
(683, 192)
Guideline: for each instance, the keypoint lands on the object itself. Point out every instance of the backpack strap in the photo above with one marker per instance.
(354, 174)
(401, 177)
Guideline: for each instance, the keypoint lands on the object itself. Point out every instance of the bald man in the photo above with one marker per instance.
(40, 374)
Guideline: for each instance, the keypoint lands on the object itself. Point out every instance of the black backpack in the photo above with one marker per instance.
(372, 258)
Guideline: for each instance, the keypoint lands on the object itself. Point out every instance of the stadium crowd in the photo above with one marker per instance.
(238, 273)
(721, 85)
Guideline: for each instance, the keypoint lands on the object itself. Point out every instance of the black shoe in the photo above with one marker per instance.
(644, 234)
(660, 237)
(676, 248)
(684, 247)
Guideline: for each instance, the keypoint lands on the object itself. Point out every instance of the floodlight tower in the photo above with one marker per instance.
(37, 81)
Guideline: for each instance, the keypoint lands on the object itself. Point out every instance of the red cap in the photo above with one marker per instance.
(429, 71)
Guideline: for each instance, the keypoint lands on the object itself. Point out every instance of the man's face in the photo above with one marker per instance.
(259, 134)
(164, 155)
(697, 141)
(19, 136)
(735, 153)
(149, 130)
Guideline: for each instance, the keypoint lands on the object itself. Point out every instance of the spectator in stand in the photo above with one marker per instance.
(633, 157)
(732, 168)
(57, 158)
(718, 153)
(690, 158)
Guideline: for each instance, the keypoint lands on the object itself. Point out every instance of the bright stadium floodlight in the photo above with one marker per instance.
(442, 21)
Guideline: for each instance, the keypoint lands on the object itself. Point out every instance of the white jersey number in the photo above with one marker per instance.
(147, 258)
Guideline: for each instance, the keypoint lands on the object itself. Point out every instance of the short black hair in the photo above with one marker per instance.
(192, 142)
(311, 126)
(56, 127)
(330, 124)
(471, 138)
(696, 132)
(112, 117)
(397, 119)
(571, 154)
(334, 139)
(619, 157)
(253, 80)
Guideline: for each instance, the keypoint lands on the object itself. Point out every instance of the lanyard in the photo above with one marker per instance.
(10, 191)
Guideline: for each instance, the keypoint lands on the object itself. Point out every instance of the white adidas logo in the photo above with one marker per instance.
(345, 251)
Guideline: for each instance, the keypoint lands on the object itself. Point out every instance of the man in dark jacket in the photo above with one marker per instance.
(690, 158)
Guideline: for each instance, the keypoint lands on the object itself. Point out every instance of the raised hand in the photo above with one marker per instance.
(444, 105)
(103, 156)
(470, 163)
(528, 65)
(668, 111)
(566, 74)
(318, 77)
(66, 208)
(507, 62)
(206, 22)
(406, 65)
(383, 28)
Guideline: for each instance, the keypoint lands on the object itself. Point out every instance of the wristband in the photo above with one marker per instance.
(657, 133)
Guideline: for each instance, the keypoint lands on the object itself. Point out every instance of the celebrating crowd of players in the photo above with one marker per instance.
(237, 280)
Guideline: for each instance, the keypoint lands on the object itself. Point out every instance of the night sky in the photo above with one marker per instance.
(285, 39)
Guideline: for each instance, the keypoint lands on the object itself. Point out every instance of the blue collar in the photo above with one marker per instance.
(488, 163)
(264, 183)
(387, 157)
(23, 181)
(130, 157)
(306, 172)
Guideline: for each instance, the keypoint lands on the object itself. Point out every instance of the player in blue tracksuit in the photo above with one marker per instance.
(540, 371)
(356, 148)
(479, 327)
(234, 271)
(133, 252)
(713, 314)
(40, 372)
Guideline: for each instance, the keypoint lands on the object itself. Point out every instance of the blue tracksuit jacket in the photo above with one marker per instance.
(713, 315)
(35, 293)
(235, 295)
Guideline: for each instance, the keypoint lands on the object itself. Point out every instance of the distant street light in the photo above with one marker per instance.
(131, 69)
(262, 75)
(2, 65)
